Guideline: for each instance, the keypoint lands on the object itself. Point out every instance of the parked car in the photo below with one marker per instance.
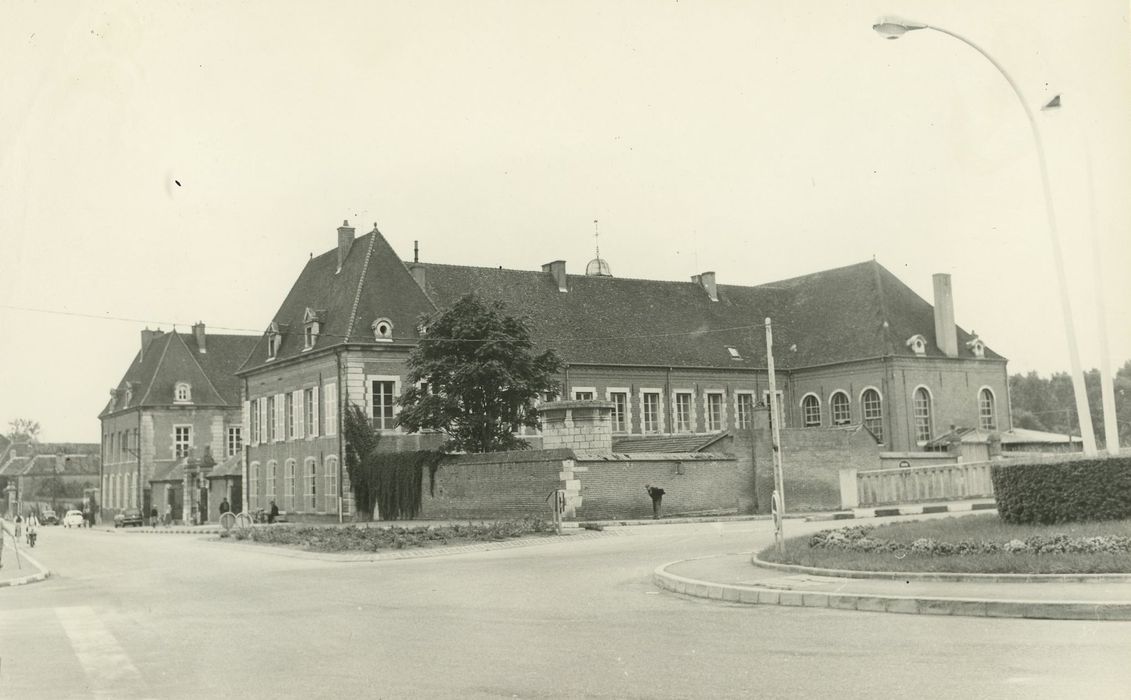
(49, 518)
(73, 518)
(129, 516)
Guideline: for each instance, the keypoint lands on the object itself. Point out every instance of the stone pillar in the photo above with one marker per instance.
(577, 425)
(849, 494)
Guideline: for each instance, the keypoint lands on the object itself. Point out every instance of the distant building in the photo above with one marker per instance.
(853, 346)
(178, 398)
(46, 473)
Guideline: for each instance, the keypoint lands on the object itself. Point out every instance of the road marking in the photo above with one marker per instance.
(108, 668)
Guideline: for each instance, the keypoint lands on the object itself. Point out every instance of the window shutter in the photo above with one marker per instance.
(300, 414)
(280, 418)
(314, 412)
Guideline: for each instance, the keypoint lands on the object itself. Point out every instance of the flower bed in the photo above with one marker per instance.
(970, 544)
(376, 537)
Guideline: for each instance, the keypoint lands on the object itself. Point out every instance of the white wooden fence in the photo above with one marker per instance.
(942, 482)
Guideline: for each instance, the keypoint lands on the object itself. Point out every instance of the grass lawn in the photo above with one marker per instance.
(976, 528)
(380, 536)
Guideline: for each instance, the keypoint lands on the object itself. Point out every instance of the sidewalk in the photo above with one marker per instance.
(735, 578)
(18, 570)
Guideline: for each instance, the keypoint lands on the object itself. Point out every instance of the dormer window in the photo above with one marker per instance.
(734, 354)
(182, 393)
(274, 340)
(383, 330)
(977, 347)
(312, 327)
(918, 344)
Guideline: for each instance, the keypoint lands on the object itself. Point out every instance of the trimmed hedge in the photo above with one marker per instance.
(1061, 492)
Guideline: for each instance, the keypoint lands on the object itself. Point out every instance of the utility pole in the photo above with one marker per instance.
(778, 498)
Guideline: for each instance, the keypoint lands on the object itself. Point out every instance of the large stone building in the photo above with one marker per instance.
(853, 346)
(178, 401)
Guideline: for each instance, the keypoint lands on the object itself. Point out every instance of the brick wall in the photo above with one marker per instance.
(495, 485)
(613, 488)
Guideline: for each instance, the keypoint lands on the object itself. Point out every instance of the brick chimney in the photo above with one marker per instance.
(198, 333)
(345, 240)
(946, 335)
(557, 268)
(707, 281)
(579, 425)
(146, 337)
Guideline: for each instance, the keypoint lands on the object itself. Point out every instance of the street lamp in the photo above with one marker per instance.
(893, 28)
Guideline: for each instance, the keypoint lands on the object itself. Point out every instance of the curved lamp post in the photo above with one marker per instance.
(891, 28)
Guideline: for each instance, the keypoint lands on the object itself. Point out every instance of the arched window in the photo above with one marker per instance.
(811, 411)
(922, 412)
(253, 485)
(289, 485)
(182, 393)
(331, 467)
(382, 329)
(987, 418)
(310, 471)
(841, 408)
(270, 485)
(873, 410)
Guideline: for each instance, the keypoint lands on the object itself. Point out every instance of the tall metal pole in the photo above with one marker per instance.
(1082, 410)
(778, 497)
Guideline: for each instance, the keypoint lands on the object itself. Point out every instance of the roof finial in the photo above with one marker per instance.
(597, 266)
(596, 238)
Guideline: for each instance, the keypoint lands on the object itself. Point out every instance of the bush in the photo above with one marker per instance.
(1061, 492)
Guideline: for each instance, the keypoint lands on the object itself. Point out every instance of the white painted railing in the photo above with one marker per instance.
(943, 482)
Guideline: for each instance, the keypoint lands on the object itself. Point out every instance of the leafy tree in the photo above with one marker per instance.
(23, 430)
(481, 377)
(361, 449)
(1050, 404)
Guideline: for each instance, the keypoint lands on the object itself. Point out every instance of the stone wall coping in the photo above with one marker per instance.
(588, 456)
(551, 455)
(562, 405)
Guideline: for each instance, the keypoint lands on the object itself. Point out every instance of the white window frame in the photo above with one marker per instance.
(290, 468)
(591, 390)
(232, 446)
(626, 420)
(253, 485)
(676, 426)
(289, 415)
(330, 414)
(311, 415)
(712, 424)
(182, 393)
(396, 380)
(781, 405)
(982, 415)
(176, 441)
(270, 476)
(280, 418)
(929, 416)
(738, 422)
(330, 464)
(659, 417)
(805, 417)
(264, 430)
(864, 419)
(310, 480)
(833, 411)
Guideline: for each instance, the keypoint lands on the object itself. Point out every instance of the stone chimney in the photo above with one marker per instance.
(557, 268)
(198, 333)
(946, 335)
(586, 426)
(707, 281)
(146, 337)
(345, 240)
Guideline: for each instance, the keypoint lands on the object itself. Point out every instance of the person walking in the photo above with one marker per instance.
(32, 529)
(657, 495)
(19, 526)
(168, 514)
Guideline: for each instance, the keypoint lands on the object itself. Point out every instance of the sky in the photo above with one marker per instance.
(167, 163)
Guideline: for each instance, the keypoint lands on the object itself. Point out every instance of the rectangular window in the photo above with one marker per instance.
(182, 440)
(682, 412)
(330, 415)
(309, 403)
(270, 419)
(650, 400)
(383, 401)
(253, 485)
(280, 419)
(289, 484)
(714, 411)
(289, 417)
(584, 393)
(745, 407)
(235, 441)
(781, 406)
(620, 411)
(300, 415)
(269, 487)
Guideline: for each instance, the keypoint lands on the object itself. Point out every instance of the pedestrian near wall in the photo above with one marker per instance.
(657, 495)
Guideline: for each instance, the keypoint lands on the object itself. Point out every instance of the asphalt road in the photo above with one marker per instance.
(129, 615)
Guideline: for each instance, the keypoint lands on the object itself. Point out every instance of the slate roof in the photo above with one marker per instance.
(372, 284)
(1014, 437)
(666, 443)
(825, 317)
(38, 459)
(77, 465)
(229, 467)
(175, 357)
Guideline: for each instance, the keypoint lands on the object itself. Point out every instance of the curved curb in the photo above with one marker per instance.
(43, 575)
(941, 577)
(962, 607)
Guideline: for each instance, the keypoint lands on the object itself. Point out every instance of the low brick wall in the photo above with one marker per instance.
(494, 485)
(613, 487)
